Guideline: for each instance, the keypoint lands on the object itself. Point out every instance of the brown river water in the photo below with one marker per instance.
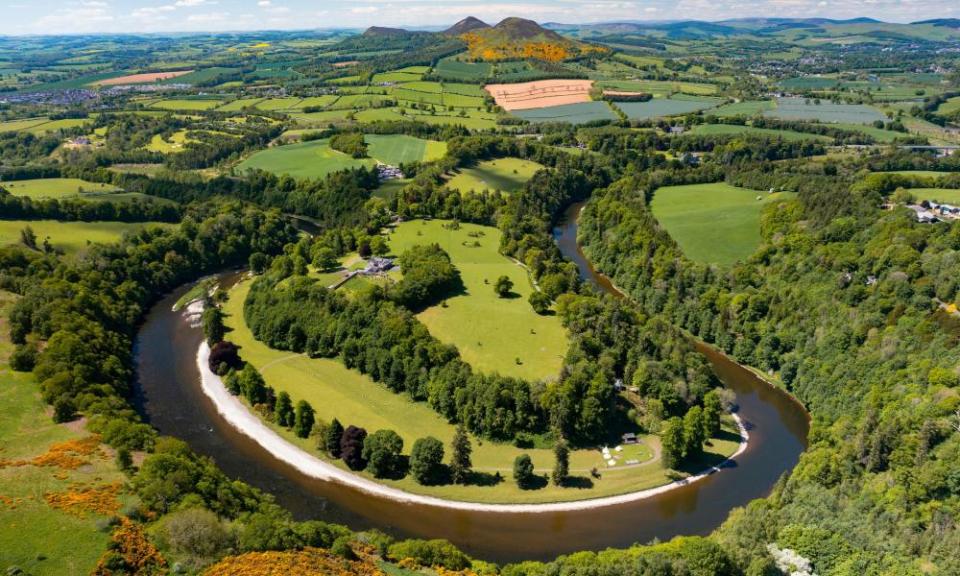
(169, 397)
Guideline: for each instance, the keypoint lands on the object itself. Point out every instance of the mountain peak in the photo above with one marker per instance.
(468, 24)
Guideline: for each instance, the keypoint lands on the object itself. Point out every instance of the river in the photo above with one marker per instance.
(169, 397)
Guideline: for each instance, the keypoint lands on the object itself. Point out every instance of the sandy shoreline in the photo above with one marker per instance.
(235, 413)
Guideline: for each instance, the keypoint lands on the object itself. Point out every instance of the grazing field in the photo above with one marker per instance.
(58, 188)
(804, 109)
(659, 87)
(186, 105)
(238, 104)
(464, 71)
(540, 94)
(950, 106)
(34, 536)
(37, 126)
(353, 398)
(146, 78)
(712, 223)
(745, 108)
(712, 129)
(315, 159)
(71, 237)
(169, 145)
(492, 333)
(661, 107)
(502, 174)
(572, 113)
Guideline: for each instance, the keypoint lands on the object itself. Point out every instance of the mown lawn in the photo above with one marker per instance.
(713, 223)
(71, 237)
(35, 537)
(503, 174)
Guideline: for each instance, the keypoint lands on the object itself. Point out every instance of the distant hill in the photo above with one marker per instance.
(515, 38)
(380, 31)
(468, 24)
(947, 22)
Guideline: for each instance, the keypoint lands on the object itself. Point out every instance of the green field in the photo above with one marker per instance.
(186, 105)
(712, 223)
(572, 113)
(659, 87)
(713, 129)
(503, 174)
(490, 332)
(801, 109)
(942, 195)
(58, 188)
(465, 71)
(661, 107)
(172, 144)
(950, 106)
(315, 159)
(745, 108)
(71, 237)
(40, 125)
(35, 537)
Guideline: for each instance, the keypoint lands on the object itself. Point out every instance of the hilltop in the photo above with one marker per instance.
(468, 24)
(520, 38)
(381, 31)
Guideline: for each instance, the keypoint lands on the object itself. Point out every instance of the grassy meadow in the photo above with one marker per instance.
(502, 174)
(713, 223)
(71, 237)
(57, 188)
(572, 113)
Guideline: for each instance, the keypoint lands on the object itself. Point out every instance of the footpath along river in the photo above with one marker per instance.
(169, 395)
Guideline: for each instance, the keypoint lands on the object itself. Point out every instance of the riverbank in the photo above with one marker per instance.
(237, 415)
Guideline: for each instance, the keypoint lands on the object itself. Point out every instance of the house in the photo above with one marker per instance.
(629, 438)
(377, 265)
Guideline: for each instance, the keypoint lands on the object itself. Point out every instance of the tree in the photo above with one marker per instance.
(523, 471)
(693, 436)
(213, 327)
(351, 447)
(324, 258)
(426, 460)
(252, 386)
(379, 246)
(28, 237)
(382, 451)
(303, 419)
(503, 286)
(460, 463)
(540, 302)
(561, 469)
(712, 409)
(225, 354)
(331, 440)
(672, 443)
(283, 413)
(258, 262)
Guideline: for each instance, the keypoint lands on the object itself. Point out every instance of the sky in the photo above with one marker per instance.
(145, 16)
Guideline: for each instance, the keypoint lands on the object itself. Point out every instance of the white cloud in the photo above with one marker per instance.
(365, 10)
(189, 3)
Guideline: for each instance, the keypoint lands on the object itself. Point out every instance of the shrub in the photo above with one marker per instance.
(430, 553)
(523, 471)
(24, 358)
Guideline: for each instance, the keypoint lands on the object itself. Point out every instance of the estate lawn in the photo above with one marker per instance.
(315, 159)
(71, 237)
(57, 188)
(503, 174)
(492, 333)
(37, 538)
(713, 223)
(337, 392)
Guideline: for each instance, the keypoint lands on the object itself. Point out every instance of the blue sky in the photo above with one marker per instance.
(90, 16)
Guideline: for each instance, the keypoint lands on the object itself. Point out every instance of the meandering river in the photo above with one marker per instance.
(169, 396)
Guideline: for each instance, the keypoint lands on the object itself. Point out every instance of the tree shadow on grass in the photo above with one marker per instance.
(484, 479)
(535, 483)
(578, 482)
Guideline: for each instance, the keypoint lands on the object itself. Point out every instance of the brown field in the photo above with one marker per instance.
(345, 64)
(145, 78)
(540, 94)
(622, 93)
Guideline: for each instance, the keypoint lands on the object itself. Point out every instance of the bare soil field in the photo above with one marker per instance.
(145, 78)
(540, 94)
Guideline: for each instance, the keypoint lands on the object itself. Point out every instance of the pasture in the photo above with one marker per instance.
(186, 104)
(57, 188)
(661, 107)
(942, 195)
(492, 333)
(572, 113)
(950, 106)
(659, 87)
(71, 237)
(452, 69)
(503, 174)
(713, 223)
(712, 129)
(40, 125)
(805, 109)
(315, 159)
(745, 108)
(144, 78)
